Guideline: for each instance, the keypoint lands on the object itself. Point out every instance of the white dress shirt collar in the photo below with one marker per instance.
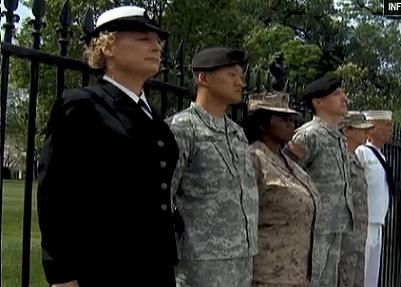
(131, 94)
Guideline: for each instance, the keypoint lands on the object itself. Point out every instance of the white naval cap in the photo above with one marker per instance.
(127, 18)
(378, 115)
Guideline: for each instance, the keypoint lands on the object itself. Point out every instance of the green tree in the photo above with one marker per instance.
(315, 37)
(303, 60)
(373, 46)
(314, 22)
(264, 42)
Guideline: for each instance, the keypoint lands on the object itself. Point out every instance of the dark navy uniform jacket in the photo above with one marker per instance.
(104, 191)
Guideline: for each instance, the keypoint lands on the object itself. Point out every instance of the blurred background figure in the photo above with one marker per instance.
(379, 176)
(355, 128)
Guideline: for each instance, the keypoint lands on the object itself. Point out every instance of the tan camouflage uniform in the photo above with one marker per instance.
(353, 245)
(217, 197)
(326, 160)
(288, 204)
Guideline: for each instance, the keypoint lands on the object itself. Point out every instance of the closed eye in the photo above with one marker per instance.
(149, 39)
(234, 75)
(144, 38)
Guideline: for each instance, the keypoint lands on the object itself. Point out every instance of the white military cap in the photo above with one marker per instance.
(127, 18)
(378, 115)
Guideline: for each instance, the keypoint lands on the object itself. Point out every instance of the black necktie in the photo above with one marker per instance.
(144, 106)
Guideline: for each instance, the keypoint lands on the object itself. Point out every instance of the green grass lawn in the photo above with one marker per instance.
(13, 203)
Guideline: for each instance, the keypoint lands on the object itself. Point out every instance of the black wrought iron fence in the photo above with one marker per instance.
(391, 251)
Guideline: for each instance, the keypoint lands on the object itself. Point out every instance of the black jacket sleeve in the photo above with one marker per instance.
(62, 165)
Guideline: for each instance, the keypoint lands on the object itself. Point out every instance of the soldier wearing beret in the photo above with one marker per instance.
(106, 167)
(352, 265)
(321, 149)
(214, 182)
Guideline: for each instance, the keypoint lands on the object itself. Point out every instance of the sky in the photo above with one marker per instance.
(22, 11)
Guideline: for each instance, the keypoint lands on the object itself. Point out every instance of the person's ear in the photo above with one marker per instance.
(107, 50)
(346, 132)
(203, 79)
(316, 102)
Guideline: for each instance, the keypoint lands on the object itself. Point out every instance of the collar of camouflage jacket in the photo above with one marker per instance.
(213, 123)
(333, 131)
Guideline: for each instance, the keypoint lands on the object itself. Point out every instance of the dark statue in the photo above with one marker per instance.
(279, 72)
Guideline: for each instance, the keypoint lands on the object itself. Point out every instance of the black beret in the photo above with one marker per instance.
(321, 87)
(218, 57)
(127, 18)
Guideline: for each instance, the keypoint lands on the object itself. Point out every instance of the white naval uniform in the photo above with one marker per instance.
(378, 203)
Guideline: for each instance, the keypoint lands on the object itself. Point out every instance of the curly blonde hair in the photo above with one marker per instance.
(93, 53)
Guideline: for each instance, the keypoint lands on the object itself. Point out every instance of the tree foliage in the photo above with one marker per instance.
(316, 37)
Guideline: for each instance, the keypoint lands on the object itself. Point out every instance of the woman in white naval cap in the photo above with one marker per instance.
(106, 167)
(380, 184)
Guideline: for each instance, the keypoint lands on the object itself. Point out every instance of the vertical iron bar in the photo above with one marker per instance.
(65, 22)
(258, 81)
(393, 219)
(392, 251)
(396, 137)
(247, 89)
(390, 230)
(181, 75)
(38, 12)
(87, 28)
(395, 226)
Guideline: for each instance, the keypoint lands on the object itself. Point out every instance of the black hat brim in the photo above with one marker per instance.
(216, 67)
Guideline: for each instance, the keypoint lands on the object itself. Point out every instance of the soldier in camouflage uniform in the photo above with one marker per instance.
(355, 128)
(321, 149)
(214, 181)
(288, 199)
